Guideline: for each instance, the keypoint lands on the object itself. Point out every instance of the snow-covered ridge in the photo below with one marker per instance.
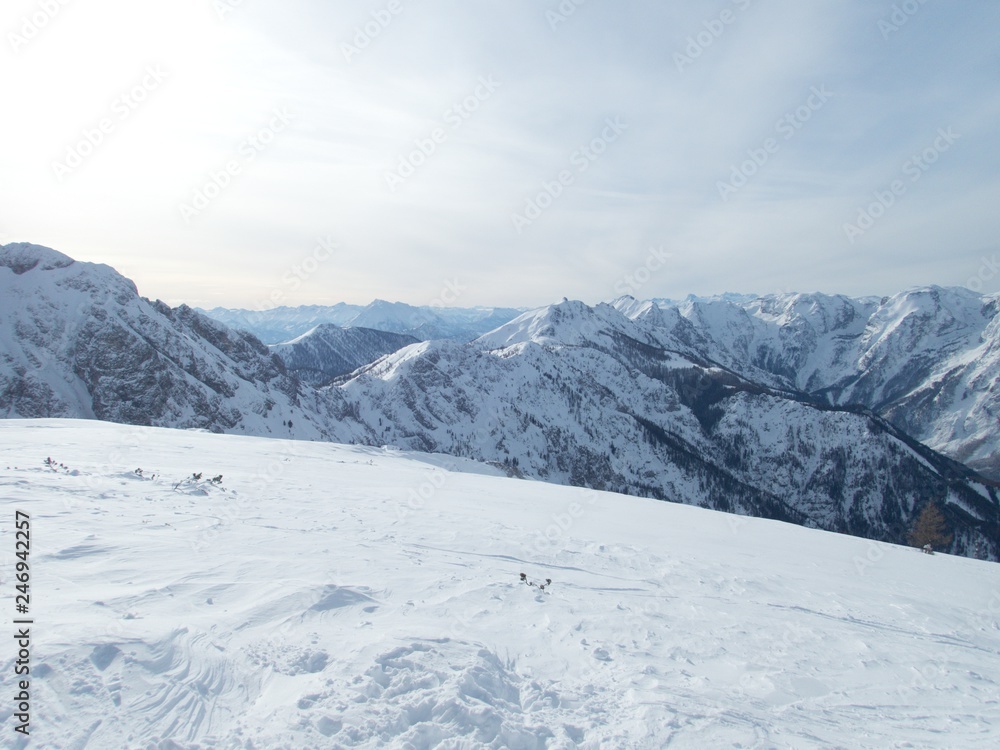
(330, 596)
(21, 257)
(77, 340)
(572, 394)
(568, 323)
(282, 324)
(586, 396)
(927, 359)
(327, 351)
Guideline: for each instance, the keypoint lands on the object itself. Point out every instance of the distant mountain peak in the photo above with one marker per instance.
(21, 257)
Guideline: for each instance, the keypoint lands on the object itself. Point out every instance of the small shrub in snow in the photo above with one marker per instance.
(529, 582)
(195, 481)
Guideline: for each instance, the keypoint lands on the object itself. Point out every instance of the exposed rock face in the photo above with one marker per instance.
(928, 360)
(77, 340)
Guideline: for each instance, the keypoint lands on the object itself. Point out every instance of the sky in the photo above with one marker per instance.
(250, 153)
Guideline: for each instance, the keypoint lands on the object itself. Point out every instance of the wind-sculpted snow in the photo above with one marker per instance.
(329, 596)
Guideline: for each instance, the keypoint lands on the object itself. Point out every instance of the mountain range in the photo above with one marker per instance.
(278, 325)
(927, 360)
(792, 407)
(328, 350)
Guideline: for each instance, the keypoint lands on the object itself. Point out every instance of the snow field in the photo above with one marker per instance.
(328, 596)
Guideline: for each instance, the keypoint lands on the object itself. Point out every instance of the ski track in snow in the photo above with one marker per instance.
(308, 602)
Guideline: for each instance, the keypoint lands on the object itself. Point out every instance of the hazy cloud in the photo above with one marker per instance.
(714, 94)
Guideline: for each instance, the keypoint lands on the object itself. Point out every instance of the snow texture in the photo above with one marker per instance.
(327, 596)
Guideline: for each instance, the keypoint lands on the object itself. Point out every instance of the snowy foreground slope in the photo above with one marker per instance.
(326, 596)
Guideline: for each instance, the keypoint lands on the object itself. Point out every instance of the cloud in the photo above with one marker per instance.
(384, 88)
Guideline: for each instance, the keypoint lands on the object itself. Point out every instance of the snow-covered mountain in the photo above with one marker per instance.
(926, 359)
(77, 340)
(281, 324)
(329, 596)
(587, 396)
(327, 350)
(620, 397)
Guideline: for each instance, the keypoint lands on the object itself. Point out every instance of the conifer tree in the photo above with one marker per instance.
(930, 528)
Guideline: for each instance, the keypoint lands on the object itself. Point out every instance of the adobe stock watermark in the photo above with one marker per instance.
(434, 479)
(712, 29)
(786, 127)
(561, 524)
(562, 12)
(224, 7)
(218, 180)
(582, 158)
(926, 676)
(32, 25)
(737, 522)
(450, 293)
(297, 274)
(120, 109)
(874, 553)
(120, 460)
(773, 658)
(987, 272)
(991, 612)
(632, 282)
(482, 440)
(899, 16)
(63, 341)
(453, 119)
(914, 168)
(263, 481)
(369, 31)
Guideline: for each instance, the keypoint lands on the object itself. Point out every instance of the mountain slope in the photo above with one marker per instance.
(584, 396)
(597, 397)
(926, 359)
(379, 605)
(77, 340)
(328, 350)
